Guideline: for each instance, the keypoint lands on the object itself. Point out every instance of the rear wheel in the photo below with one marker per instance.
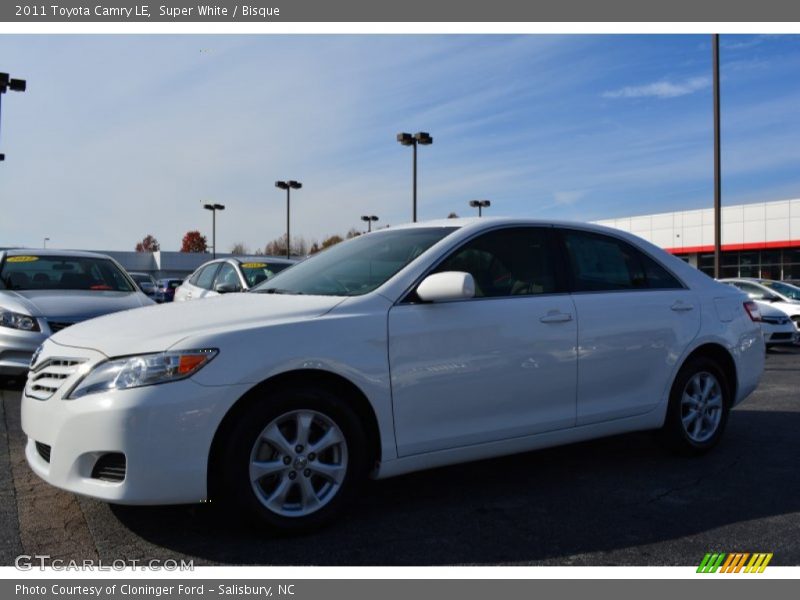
(293, 459)
(698, 410)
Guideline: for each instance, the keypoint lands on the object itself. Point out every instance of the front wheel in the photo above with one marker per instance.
(293, 459)
(698, 410)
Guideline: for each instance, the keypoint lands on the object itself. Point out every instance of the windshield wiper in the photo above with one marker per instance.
(280, 291)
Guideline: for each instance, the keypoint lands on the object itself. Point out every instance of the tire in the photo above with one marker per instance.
(689, 403)
(268, 467)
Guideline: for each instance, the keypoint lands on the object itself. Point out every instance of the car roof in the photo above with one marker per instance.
(262, 258)
(54, 253)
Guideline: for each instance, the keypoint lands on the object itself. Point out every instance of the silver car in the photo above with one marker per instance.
(44, 291)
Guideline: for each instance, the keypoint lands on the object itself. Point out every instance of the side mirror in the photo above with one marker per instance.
(450, 285)
(226, 288)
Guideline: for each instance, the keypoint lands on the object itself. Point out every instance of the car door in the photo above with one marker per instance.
(199, 284)
(635, 320)
(497, 366)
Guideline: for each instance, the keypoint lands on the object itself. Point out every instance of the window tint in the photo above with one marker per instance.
(506, 262)
(227, 274)
(601, 263)
(206, 276)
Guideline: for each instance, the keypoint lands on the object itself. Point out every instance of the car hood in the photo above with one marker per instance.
(70, 305)
(159, 327)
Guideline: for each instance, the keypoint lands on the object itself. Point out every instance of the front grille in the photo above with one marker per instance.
(56, 326)
(782, 336)
(110, 467)
(43, 450)
(47, 378)
(775, 320)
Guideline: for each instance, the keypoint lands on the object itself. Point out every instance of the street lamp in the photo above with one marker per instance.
(288, 186)
(214, 208)
(15, 85)
(369, 220)
(406, 139)
(44, 242)
(480, 205)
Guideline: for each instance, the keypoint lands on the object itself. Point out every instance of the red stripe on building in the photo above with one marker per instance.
(727, 247)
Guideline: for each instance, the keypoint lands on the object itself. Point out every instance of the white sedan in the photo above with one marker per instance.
(405, 349)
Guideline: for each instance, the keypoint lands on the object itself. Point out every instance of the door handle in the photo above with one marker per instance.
(556, 318)
(681, 307)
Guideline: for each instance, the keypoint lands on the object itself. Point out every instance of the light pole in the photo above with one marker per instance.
(44, 242)
(214, 208)
(15, 85)
(369, 220)
(406, 139)
(480, 205)
(717, 161)
(289, 185)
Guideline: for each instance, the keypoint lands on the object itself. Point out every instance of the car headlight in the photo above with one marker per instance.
(141, 370)
(18, 321)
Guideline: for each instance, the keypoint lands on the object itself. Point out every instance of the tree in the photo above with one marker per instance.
(452, 215)
(240, 248)
(353, 233)
(314, 248)
(331, 241)
(193, 241)
(148, 244)
(277, 247)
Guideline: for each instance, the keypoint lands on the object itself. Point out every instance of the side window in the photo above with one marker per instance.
(205, 277)
(227, 274)
(506, 262)
(749, 288)
(603, 263)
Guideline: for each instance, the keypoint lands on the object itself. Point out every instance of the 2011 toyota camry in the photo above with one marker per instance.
(400, 350)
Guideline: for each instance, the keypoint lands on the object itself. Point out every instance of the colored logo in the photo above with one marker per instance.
(736, 562)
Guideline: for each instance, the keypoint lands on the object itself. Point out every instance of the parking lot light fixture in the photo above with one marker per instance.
(214, 208)
(44, 242)
(288, 185)
(480, 205)
(420, 138)
(369, 219)
(8, 83)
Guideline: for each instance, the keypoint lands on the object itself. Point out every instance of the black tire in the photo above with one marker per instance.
(675, 434)
(233, 482)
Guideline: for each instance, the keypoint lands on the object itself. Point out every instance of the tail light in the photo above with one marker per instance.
(752, 311)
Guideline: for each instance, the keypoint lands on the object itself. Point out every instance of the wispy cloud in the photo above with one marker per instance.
(661, 89)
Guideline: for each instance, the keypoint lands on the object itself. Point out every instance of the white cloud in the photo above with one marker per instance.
(661, 89)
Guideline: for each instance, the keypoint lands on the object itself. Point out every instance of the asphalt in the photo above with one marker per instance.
(618, 501)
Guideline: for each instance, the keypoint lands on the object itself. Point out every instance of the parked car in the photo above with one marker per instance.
(406, 349)
(45, 291)
(165, 289)
(228, 275)
(782, 296)
(145, 282)
(778, 328)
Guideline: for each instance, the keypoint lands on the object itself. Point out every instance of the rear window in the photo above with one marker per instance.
(33, 272)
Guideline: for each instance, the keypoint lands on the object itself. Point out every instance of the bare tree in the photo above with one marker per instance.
(240, 249)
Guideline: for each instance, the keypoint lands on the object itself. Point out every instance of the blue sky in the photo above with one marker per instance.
(120, 136)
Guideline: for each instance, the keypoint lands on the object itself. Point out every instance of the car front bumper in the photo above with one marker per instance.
(16, 349)
(164, 432)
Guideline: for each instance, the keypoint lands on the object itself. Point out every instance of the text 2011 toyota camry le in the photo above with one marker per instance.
(400, 350)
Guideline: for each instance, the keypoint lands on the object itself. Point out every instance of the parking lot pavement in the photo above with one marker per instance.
(622, 500)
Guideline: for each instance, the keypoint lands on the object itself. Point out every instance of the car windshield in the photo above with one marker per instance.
(357, 266)
(785, 289)
(33, 272)
(258, 271)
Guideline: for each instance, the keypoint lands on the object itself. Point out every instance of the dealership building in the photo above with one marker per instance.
(758, 240)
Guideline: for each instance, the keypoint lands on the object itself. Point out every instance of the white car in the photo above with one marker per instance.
(778, 328)
(229, 275)
(783, 296)
(409, 348)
